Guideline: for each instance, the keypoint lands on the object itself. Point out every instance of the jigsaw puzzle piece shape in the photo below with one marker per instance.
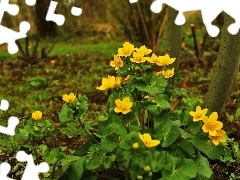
(9, 36)
(4, 105)
(10, 129)
(30, 2)
(59, 19)
(4, 170)
(12, 9)
(31, 171)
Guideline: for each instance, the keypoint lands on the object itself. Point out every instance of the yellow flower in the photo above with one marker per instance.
(37, 115)
(147, 140)
(168, 73)
(153, 59)
(53, 61)
(138, 57)
(199, 114)
(165, 60)
(126, 50)
(123, 106)
(69, 98)
(144, 50)
(158, 73)
(109, 83)
(117, 62)
(220, 137)
(211, 124)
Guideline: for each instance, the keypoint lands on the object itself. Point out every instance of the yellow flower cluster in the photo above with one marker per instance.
(211, 125)
(138, 56)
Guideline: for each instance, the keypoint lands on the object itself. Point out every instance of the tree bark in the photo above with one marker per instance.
(225, 71)
(44, 28)
(174, 37)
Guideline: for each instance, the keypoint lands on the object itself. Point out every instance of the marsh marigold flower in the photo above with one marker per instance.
(69, 98)
(126, 50)
(117, 62)
(220, 137)
(165, 60)
(138, 58)
(211, 125)
(123, 106)
(199, 114)
(37, 115)
(168, 73)
(144, 50)
(147, 140)
(109, 83)
(153, 59)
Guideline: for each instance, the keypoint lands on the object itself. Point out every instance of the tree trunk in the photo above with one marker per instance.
(174, 37)
(44, 28)
(225, 71)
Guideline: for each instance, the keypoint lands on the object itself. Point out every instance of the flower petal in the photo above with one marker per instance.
(213, 116)
(218, 125)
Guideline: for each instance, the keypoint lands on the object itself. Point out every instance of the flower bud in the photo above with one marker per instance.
(146, 97)
(139, 177)
(135, 146)
(137, 68)
(147, 168)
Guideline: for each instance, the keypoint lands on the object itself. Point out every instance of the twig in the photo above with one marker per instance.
(144, 24)
(195, 41)
(26, 48)
(161, 28)
(179, 98)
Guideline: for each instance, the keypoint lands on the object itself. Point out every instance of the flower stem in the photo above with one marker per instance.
(87, 132)
(124, 123)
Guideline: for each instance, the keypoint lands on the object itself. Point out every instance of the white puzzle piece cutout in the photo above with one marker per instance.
(7, 35)
(4, 105)
(12, 121)
(31, 171)
(4, 170)
(76, 11)
(30, 2)
(59, 19)
(231, 7)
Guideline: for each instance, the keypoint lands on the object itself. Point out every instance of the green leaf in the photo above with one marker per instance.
(162, 101)
(107, 161)
(52, 156)
(195, 127)
(65, 113)
(203, 166)
(187, 147)
(83, 149)
(238, 113)
(107, 130)
(167, 133)
(109, 142)
(158, 161)
(156, 85)
(76, 170)
(207, 147)
(179, 169)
